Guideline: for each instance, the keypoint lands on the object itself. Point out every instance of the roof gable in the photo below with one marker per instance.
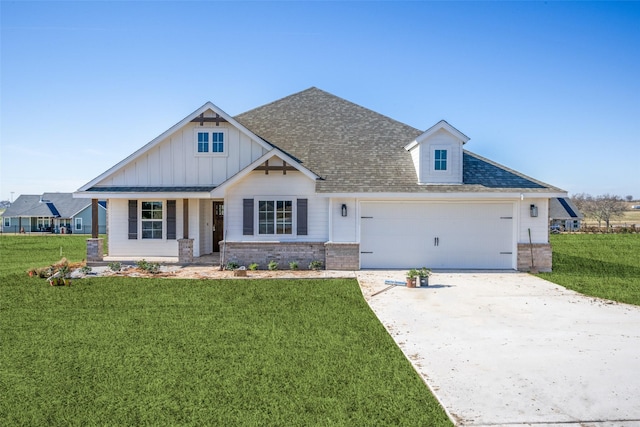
(208, 112)
(441, 125)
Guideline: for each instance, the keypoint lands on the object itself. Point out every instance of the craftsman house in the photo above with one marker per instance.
(315, 177)
(52, 213)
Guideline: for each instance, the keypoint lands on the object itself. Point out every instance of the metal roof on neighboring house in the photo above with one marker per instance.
(354, 149)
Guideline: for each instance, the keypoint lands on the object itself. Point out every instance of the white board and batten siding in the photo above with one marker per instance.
(539, 225)
(119, 243)
(344, 228)
(473, 235)
(292, 186)
(175, 161)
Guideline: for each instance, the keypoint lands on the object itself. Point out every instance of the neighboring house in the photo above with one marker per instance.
(315, 177)
(564, 215)
(52, 213)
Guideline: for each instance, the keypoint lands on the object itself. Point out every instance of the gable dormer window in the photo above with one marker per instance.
(440, 160)
(209, 142)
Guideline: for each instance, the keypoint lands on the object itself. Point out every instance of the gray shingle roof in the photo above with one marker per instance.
(354, 149)
(563, 208)
(57, 205)
(27, 205)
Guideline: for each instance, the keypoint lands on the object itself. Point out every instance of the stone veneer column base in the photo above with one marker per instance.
(185, 251)
(261, 253)
(541, 257)
(95, 250)
(342, 256)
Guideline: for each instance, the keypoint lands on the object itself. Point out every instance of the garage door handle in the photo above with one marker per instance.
(436, 241)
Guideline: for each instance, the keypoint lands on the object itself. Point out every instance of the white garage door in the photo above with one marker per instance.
(436, 235)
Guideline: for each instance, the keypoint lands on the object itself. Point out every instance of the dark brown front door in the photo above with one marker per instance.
(218, 225)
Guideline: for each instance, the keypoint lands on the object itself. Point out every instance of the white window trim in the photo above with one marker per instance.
(6, 221)
(256, 215)
(76, 222)
(210, 131)
(163, 220)
(432, 160)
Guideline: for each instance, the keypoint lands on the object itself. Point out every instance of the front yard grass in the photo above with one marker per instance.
(131, 351)
(600, 265)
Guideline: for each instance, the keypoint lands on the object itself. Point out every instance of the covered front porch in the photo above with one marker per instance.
(209, 260)
(174, 231)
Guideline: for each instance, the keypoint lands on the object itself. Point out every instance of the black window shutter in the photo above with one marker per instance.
(133, 219)
(171, 219)
(247, 217)
(302, 217)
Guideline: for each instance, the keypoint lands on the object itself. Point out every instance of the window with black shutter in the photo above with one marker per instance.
(247, 217)
(171, 219)
(133, 219)
(301, 217)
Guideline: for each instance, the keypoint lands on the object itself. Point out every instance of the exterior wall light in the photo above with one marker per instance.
(533, 210)
(344, 210)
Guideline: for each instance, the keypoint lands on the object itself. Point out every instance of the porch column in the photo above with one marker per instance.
(95, 250)
(185, 245)
(94, 219)
(185, 218)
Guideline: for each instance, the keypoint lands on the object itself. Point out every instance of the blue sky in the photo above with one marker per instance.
(551, 89)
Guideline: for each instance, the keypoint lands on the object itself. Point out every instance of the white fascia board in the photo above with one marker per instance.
(148, 195)
(87, 207)
(220, 190)
(445, 196)
(442, 124)
(207, 106)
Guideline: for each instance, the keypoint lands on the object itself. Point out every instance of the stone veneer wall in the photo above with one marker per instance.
(95, 250)
(246, 253)
(342, 256)
(541, 256)
(185, 251)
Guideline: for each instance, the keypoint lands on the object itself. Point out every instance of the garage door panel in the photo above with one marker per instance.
(437, 235)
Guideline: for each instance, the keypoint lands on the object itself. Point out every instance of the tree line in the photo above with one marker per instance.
(603, 208)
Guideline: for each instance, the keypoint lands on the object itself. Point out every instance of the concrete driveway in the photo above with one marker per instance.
(510, 349)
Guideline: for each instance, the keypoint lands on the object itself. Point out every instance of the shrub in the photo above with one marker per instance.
(232, 265)
(315, 265)
(253, 266)
(272, 265)
(149, 267)
(85, 269)
(293, 265)
(114, 266)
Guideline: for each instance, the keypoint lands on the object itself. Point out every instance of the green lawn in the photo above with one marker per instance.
(125, 351)
(601, 265)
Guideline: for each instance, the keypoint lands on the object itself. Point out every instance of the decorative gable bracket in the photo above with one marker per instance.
(284, 168)
(202, 119)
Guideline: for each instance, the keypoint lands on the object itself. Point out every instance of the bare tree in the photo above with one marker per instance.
(610, 207)
(601, 208)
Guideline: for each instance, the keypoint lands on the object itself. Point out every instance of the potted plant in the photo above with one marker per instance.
(411, 278)
(64, 271)
(423, 275)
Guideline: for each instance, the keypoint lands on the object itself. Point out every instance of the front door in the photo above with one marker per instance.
(218, 225)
